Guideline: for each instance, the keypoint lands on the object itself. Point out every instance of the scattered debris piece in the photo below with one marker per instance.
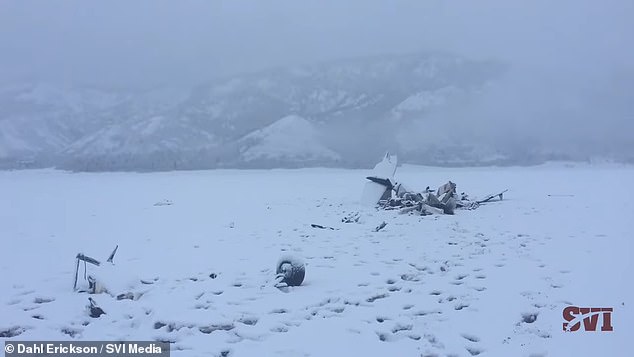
(95, 310)
(380, 226)
(491, 197)
(164, 203)
(111, 257)
(81, 257)
(321, 227)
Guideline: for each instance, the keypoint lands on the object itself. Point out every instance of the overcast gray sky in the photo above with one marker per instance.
(140, 43)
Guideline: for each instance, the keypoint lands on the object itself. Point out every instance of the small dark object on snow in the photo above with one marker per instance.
(111, 257)
(380, 226)
(529, 318)
(213, 275)
(95, 311)
(488, 198)
(291, 271)
(321, 227)
(164, 203)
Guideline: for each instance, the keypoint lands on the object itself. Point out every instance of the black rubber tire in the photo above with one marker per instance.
(293, 272)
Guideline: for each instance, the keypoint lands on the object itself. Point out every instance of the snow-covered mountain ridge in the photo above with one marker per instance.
(340, 109)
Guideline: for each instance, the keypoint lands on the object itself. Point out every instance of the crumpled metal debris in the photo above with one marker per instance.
(106, 278)
(387, 194)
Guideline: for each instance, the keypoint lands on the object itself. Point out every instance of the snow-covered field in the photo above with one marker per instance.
(489, 282)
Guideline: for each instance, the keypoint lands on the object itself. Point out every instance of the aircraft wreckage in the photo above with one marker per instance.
(381, 190)
(386, 193)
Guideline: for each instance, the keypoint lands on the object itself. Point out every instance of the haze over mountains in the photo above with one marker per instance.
(430, 108)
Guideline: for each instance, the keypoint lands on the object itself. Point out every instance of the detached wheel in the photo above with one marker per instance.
(292, 270)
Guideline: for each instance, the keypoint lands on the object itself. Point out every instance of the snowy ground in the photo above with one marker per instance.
(463, 285)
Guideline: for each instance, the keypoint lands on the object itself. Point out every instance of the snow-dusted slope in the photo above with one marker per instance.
(290, 139)
(155, 143)
(40, 122)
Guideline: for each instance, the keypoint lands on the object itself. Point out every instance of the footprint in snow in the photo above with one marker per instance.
(385, 337)
(338, 310)
(12, 332)
(434, 341)
(220, 327)
(251, 321)
(70, 331)
(470, 337)
(376, 297)
(400, 327)
(427, 312)
(409, 277)
(474, 351)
